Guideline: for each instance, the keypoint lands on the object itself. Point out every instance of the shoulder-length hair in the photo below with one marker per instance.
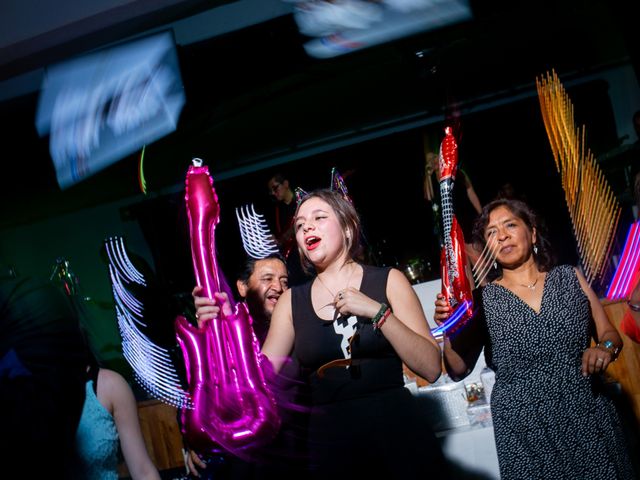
(347, 217)
(544, 258)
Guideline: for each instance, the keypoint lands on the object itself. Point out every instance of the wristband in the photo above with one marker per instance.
(383, 319)
(611, 347)
(381, 316)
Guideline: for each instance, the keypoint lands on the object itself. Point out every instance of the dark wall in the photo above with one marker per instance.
(498, 146)
(505, 144)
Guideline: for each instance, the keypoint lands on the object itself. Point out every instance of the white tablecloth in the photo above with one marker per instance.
(471, 450)
(472, 453)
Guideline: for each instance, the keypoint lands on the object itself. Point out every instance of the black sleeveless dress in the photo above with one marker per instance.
(549, 420)
(363, 421)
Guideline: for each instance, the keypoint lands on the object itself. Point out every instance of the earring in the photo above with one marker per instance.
(495, 265)
(535, 249)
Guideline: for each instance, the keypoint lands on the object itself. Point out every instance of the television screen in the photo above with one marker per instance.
(103, 106)
(343, 27)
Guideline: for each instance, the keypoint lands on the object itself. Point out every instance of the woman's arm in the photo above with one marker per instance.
(472, 195)
(279, 342)
(408, 331)
(114, 391)
(461, 353)
(455, 365)
(597, 359)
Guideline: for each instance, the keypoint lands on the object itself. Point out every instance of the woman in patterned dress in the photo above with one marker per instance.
(551, 417)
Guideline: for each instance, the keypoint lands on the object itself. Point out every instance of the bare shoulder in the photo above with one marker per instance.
(586, 287)
(283, 308)
(397, 279)
(111, 385)
(580, 277)
(110, 377)
(285, 300)
(399, 289)
(286, 295)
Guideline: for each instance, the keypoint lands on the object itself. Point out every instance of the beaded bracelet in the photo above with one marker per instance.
(384, 318)
(381, 316)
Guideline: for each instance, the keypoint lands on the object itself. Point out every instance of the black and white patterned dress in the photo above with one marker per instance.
(550, 421)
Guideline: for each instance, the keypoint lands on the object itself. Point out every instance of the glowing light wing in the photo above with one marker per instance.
(151, 363)
(257, 239)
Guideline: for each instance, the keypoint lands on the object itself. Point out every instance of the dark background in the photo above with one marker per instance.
(502, 145)
(256, 100)
(257, 104)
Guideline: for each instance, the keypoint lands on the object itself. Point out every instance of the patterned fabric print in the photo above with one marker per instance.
(96, 441)
(345, 328)
(549, 420)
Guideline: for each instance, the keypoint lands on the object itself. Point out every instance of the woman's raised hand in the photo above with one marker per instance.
(352, 301)
(209, 308)
(443, 310)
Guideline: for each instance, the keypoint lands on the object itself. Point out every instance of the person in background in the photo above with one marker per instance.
(109, 421)
(260, 284)
(109, 418)
(42, 367)
(282, 191)
(550, 414)
(465, 202)
(351, 328)
(279, 187)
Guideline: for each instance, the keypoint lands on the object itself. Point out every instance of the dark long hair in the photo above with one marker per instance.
(347, 217)
(544, 258)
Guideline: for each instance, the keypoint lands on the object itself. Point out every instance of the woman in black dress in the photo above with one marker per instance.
(352, 327)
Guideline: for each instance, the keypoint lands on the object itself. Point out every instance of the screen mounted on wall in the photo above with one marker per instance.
(103, 106)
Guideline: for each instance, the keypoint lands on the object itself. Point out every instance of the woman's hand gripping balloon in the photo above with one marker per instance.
(209, 308)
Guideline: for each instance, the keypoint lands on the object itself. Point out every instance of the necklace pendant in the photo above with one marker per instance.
(531, 286)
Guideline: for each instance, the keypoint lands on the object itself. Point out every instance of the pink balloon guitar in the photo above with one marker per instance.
(233, 407)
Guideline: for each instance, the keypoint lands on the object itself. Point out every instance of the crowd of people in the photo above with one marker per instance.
(351, 327)
(338, 339)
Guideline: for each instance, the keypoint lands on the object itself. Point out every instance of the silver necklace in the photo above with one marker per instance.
(333, 295)
(531, 286)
